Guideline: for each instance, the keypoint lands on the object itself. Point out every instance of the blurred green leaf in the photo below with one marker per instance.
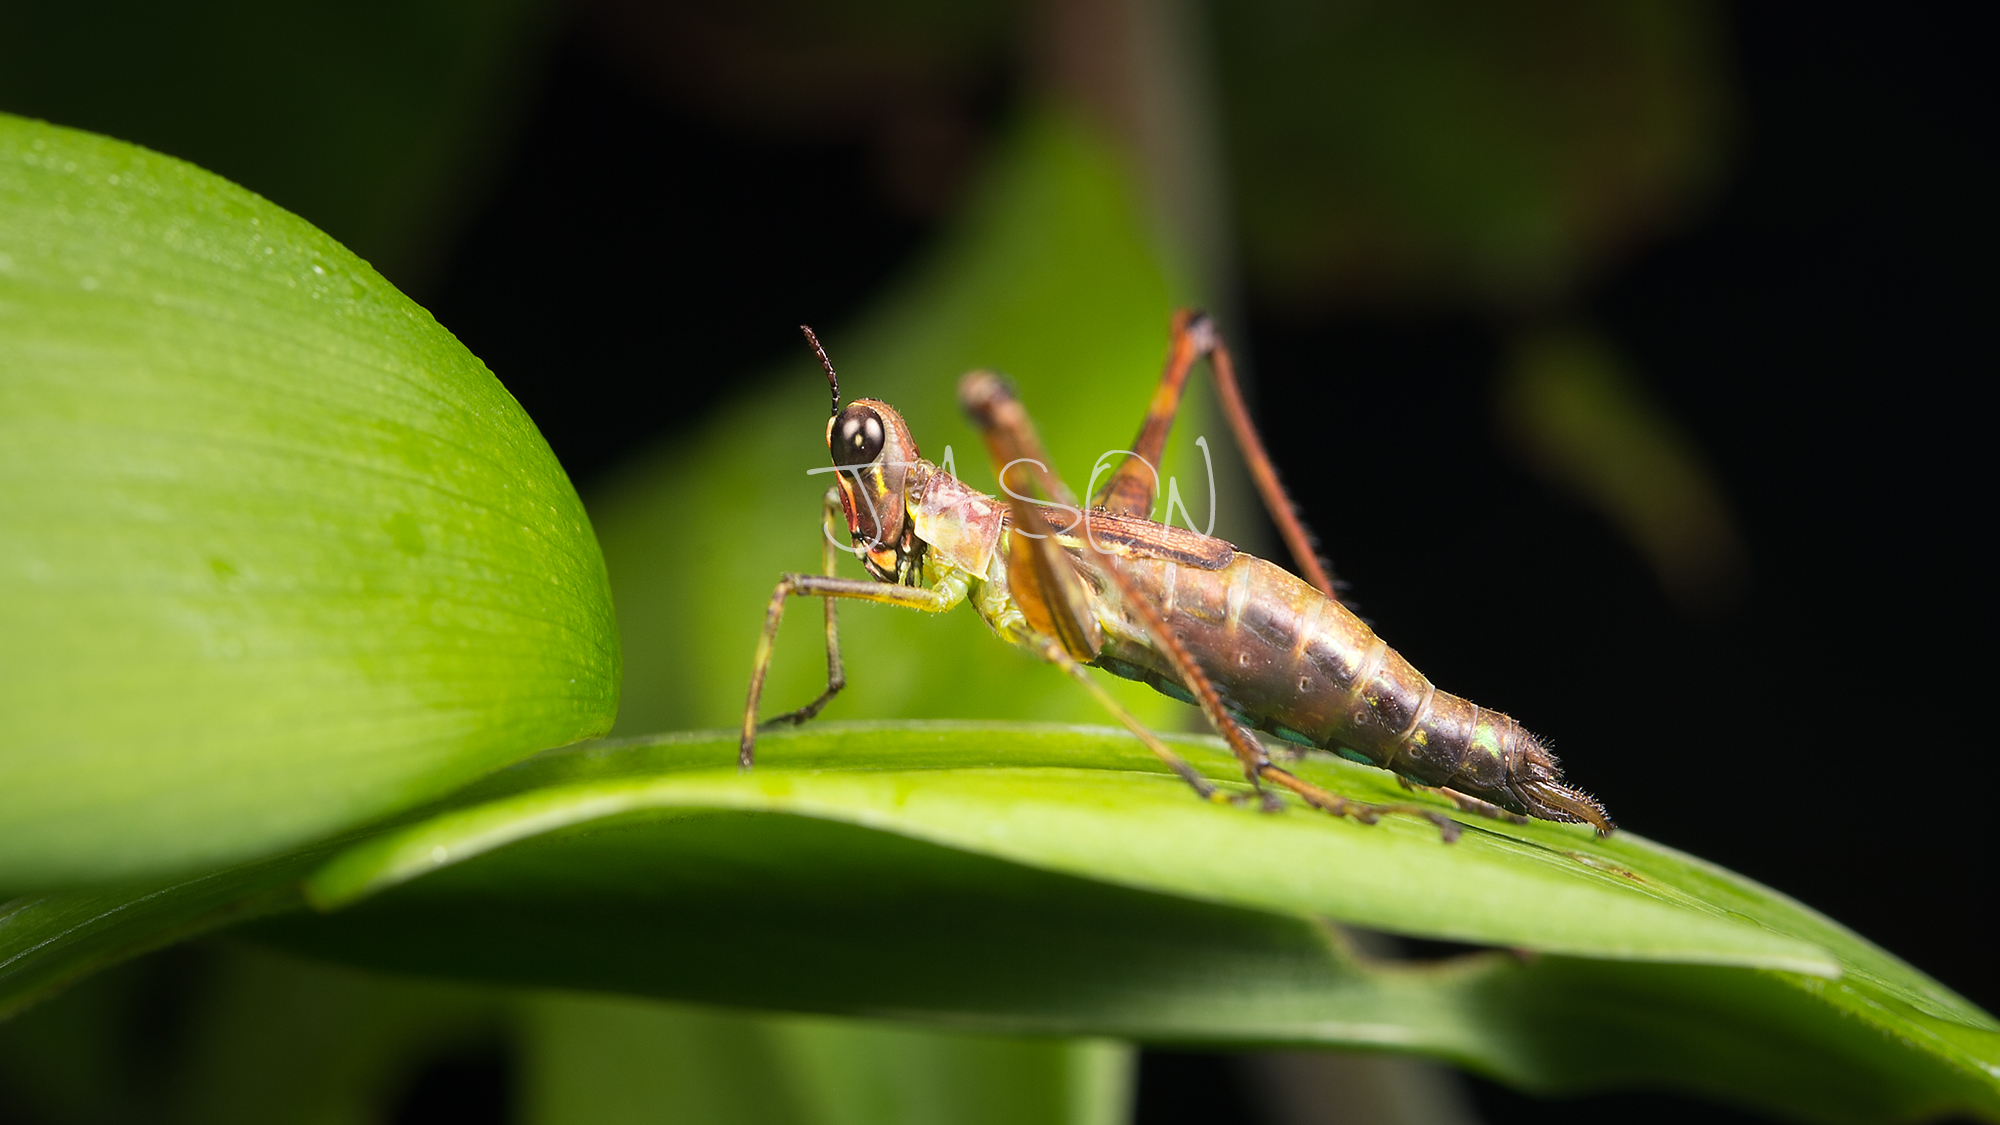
(1455, 148)
(1574, 412)
(81, 1061)
(370, 118)
(603, 1061)
(280, 555)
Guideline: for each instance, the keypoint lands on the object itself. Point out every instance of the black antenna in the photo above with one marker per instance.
(832, 380)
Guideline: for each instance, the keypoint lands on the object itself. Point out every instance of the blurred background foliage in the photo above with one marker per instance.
(372, 120)
(1604, 298)
(1389, 153)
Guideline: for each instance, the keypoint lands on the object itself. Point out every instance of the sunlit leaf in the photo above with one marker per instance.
(279, 555)
(1688, 974)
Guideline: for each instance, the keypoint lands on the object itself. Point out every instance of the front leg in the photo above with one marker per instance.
(947, 593)
(832, 523)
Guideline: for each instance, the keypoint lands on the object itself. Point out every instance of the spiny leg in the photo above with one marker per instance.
(1135, 484)
(1010, 437)
(1041, 576)
(936, 600)
(1249, 752)
(1362, 811)
(1128, 492)
(1299, 541)
(1257, 765)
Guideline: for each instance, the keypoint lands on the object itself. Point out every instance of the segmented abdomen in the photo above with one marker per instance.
(1301, 666)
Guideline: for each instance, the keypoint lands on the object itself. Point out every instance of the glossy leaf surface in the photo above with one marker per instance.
(279, 555)
(1055, 881)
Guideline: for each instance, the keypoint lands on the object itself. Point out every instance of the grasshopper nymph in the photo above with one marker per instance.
(1100, 584)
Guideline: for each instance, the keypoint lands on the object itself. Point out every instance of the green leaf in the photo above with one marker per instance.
(1095, 804)
(279, 556)
(1056, 881)
(1692, 975)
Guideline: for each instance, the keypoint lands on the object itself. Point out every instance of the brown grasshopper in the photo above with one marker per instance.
(1101, 585)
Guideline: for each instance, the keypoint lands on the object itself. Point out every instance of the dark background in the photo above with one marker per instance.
(1819, 333)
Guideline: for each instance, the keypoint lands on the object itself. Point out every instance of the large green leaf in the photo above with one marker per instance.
(279, 554)
(1057, 881)
(656, 867)
(1095, 804)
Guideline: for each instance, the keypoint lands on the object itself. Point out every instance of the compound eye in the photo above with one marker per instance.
(857, 436)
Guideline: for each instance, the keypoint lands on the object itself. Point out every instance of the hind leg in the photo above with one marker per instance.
(1205, 789)
(1042, 576)
(1361, 811)
(1132, 487)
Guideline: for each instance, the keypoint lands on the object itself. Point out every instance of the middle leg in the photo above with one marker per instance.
(1054, 654)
